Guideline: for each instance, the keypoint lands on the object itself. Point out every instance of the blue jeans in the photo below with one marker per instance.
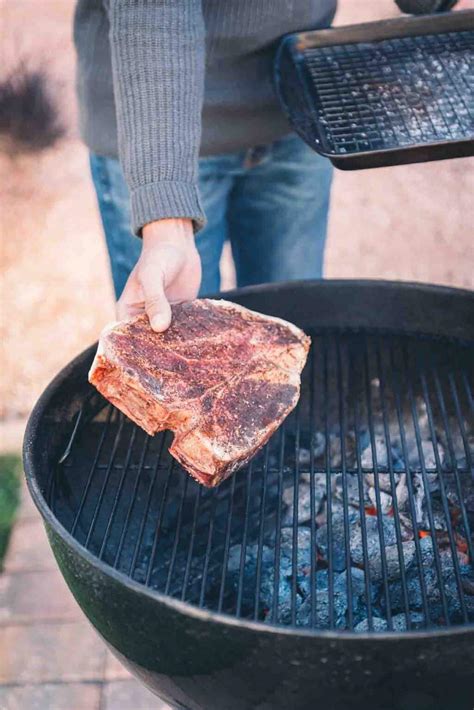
(271, 202)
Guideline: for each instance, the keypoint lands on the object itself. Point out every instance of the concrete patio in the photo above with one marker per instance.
(50, 657)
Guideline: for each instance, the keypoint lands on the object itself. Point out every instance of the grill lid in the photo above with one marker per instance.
(358, 515)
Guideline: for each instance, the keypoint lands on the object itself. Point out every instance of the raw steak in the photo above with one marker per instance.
(222, 378)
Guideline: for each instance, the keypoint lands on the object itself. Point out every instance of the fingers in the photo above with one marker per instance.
(131, 302)
(156, 304)
(145, 291)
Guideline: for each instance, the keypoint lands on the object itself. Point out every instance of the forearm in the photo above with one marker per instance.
(158, 68)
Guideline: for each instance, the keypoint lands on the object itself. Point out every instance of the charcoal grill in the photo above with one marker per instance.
(216, 598)
(382, 93)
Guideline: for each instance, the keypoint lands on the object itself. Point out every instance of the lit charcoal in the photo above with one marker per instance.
(335, 450)
(357, 600)
(432, 589)
(402, 491)
(427, 454)
(419, 497)
(444, 549)
(339, 602)
(338, 539)
(367, 458)
(304, 501)
(319, 480)
(455, 445)
(304, 457)
(406, 526)
(399, 623)
(319, 444)
(319, 448)
(373, 538)
(303, 544)
(347, 485)
(468, 583)
(377, 625)
(304, 504)
(250, 571)
(392, 560)
(438, 516)
(383, 480)
(386, 503)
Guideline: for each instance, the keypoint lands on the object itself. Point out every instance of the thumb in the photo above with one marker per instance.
(156, 305)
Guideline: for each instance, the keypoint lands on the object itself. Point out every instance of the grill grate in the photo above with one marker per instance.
(384, 93)
(349, 518)
(398, 92)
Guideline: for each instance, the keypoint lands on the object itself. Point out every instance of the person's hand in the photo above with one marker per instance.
(168, 271)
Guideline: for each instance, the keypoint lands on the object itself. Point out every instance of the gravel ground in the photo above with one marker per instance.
(409, 223)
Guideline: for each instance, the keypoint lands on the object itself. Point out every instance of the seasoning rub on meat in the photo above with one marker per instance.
(222, 378)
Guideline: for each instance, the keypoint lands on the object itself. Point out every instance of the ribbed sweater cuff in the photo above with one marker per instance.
(165, 200)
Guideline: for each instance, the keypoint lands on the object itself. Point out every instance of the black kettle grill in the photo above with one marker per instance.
(336, 570)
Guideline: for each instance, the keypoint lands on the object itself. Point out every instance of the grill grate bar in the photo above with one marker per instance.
(243, 551)
(276, 576)
(467, 527)
(396, 512)
(105, 482)
(131, 504)
(208, 548)
(312, 430)
(118, 492)
(452, 542)
(158, 531)
(148, 499)
(225, 561)
(294, 552)
(383, 556)
(426, 486)
(330, 553)
(342, 438)
(261, 522)
(177, 537)
(468, 390)
(192, 538)
(416, 539)
(92, 470)
(365, 551)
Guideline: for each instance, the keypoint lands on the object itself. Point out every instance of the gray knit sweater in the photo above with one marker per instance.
(162, 81)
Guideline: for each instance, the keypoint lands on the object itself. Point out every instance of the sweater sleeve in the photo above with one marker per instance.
(157, 49)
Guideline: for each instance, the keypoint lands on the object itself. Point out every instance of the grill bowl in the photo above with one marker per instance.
(195, 657)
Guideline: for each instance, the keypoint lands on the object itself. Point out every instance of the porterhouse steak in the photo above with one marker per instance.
(222, 378)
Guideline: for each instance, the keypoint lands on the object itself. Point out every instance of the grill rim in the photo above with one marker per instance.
(33, 464)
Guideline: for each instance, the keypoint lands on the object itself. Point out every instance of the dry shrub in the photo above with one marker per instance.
(30, 119)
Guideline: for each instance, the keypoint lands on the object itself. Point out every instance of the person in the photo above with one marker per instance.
(189, 146)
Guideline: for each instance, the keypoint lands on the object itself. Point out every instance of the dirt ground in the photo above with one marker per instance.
(411, 223)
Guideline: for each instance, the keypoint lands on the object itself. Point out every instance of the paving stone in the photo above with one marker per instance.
(40, 653)
(50, 696)
(29, 549)
(128, 694)
(114, 670)
(27, 509)
(36, 596)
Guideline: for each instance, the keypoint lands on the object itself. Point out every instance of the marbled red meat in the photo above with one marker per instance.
(222, 378)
